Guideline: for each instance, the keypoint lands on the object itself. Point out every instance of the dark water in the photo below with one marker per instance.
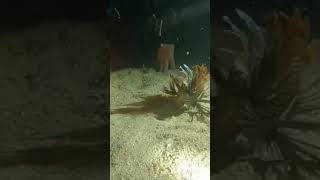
(186, 25)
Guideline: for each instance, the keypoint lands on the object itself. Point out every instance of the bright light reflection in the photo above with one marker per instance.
(183, 163)
(191, 168)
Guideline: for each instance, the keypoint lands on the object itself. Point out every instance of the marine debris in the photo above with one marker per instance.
(190, 91)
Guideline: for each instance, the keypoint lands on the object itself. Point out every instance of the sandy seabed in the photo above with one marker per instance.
(47, 74)
(148, 140)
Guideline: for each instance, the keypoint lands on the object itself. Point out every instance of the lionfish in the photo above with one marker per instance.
(262, 104)
(190, 91)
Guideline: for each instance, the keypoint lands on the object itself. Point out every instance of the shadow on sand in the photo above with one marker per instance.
(162, 107)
